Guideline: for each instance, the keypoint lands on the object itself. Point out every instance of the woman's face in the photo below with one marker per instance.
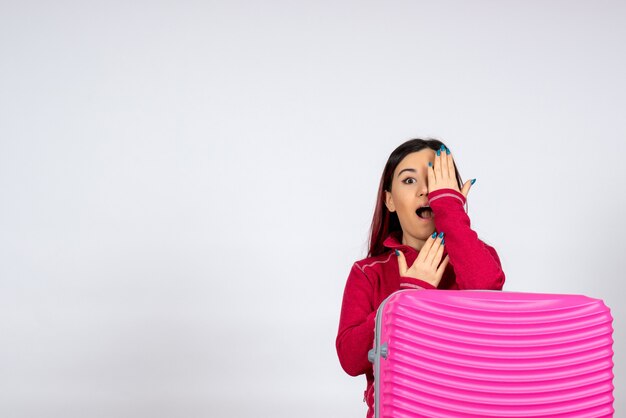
(409, 192)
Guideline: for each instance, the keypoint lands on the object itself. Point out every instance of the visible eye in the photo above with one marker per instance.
(405, 181)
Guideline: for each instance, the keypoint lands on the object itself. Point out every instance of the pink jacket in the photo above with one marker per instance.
(472, 265)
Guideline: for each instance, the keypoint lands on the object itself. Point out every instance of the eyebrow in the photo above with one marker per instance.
(407, 169)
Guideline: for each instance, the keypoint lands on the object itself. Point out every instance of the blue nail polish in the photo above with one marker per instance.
(438, 153)
(430, 164)
(473, 181)
(397, 253)
(442, 147)
(447, 151)
(434, 235)
(441, 235)
(443, 241)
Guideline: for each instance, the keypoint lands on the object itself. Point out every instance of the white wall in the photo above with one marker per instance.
(185, 185)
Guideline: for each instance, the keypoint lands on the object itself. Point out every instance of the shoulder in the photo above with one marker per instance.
(368, 272)
(373, 264)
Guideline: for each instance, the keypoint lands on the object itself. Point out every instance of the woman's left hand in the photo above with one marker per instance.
(442, 174)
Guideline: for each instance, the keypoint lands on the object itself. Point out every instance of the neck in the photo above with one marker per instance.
(412, 241)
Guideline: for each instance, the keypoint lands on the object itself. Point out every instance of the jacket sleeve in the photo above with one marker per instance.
(356, 324)
(413, 283)
(476, 264)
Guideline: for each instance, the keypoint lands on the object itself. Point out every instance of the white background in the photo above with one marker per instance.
(186, 184)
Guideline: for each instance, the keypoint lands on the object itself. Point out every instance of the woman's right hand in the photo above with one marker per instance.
(426, 266)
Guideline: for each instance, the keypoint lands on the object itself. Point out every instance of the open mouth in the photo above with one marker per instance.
(424, 212)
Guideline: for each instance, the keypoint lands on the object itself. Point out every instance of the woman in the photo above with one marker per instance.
(419, 218)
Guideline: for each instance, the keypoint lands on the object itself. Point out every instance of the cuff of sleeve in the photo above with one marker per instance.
(449, 193)
(413, 283)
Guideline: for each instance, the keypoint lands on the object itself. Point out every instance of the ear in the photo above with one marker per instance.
(389, 202)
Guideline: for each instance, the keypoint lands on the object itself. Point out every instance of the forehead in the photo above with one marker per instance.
(417, 160)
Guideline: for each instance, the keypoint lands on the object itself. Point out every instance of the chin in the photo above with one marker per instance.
(429, 231)
(424, 233)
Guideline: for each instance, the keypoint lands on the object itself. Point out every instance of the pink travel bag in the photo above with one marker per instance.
(483, 353)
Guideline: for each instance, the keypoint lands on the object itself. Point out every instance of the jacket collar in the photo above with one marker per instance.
(394, 240)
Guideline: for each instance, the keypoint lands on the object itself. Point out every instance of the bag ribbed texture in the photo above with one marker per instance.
(478, 354)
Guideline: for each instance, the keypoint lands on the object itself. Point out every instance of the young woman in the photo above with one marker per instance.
(420, 239)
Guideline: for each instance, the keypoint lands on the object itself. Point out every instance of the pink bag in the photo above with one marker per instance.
(481, 353)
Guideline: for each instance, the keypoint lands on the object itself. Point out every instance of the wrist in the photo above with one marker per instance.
(414, 283)
(446, 193)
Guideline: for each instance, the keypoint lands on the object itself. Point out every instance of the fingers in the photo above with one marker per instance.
(442, 266)
(439, 253)
(443, 169)
(401, 263)
(443, 161)
(423, 253)
(451, 168)
(466, 187)
(438, 162)
(436, 251)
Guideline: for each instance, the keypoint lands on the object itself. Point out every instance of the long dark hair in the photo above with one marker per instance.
(385, 222)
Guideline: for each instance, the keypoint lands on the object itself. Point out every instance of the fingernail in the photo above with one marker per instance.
(434, 235)
(438, 153)
(430, 164)
(447, 151)
(397, 253)
(443, 241)
(442, 147)
(473, 181)
(441, 235)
